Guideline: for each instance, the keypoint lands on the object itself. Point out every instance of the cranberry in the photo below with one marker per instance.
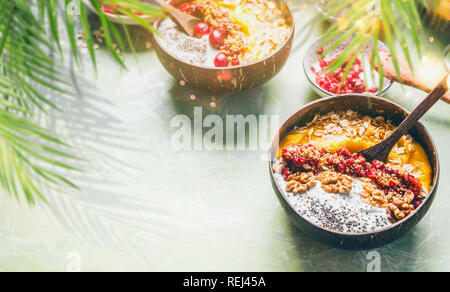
(221, 60)
(201, 29)
(217, 38)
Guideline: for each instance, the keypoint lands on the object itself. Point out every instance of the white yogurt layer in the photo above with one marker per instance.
(196, 51)
(337, 212)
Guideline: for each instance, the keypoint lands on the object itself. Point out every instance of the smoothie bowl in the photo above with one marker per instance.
(238, 45)
(334, 194)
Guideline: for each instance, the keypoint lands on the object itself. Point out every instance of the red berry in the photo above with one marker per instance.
(341, 168)
(301, 160)
(216, 38)
(201, 29)
(221, 60)
(107, 10)
(189, 8)
(235, 61)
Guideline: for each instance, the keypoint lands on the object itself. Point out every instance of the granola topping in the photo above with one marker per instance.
(387, 187)
(324, 152)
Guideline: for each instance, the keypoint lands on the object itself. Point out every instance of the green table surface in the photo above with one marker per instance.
(143, 205)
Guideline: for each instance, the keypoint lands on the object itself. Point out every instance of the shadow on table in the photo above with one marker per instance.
(257, 112)
(102, 211)
(405, 254)
(186, 98)
(140, 36)
(253, 101)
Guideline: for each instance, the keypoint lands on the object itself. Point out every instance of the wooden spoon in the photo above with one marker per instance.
(407, 76)
(186, 21)
(381, 150)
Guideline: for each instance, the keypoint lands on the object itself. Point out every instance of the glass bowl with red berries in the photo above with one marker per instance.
(360, 79)
(238, 45)
(112, 12)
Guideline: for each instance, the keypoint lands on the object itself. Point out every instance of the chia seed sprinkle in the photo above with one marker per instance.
(345, 213)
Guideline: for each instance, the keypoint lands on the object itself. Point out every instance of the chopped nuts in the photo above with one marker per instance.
(394, 210)
(300, 182)
(397, 207)
(333, 182)
(373, 196)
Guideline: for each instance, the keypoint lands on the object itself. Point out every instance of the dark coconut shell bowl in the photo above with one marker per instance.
(229, 79)
(371, 106)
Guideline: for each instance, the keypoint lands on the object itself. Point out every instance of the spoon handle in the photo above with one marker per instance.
(408, 76)
(165, 5)
(186, 21)
(420, 110)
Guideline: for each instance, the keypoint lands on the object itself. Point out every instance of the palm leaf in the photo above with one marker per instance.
(31, 157)
(399, 21)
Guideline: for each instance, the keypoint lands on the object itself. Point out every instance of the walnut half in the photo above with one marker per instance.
(300, 182)
(333, 182)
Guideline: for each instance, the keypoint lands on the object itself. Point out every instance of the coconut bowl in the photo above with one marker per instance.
(229, 79)
(371, 106)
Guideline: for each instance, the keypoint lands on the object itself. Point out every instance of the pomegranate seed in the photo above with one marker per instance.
(341, 168)
(332, 81)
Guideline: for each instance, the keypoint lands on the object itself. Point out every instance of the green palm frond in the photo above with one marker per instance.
(31, 157)
(111, 33)
(395, 22)
(29, 153)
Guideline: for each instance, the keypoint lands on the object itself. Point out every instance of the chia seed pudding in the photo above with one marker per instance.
(195, 51)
